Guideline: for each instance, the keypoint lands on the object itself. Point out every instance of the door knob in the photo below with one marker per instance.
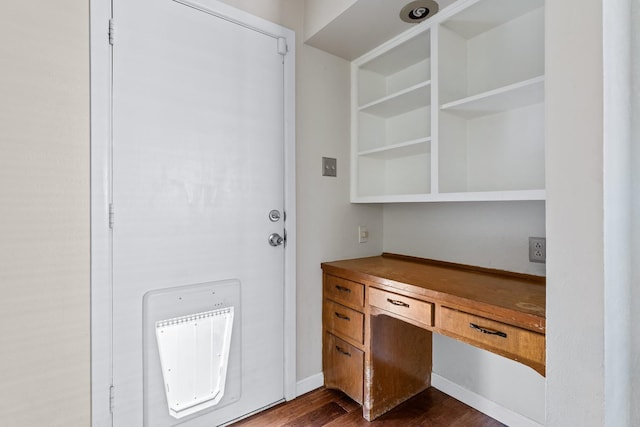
(275, 239)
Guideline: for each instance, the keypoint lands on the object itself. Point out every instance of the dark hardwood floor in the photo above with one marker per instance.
(333, 408)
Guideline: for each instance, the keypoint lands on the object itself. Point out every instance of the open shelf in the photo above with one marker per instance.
(453, 109)
(494, 101)
(403, 149)
(416, 96)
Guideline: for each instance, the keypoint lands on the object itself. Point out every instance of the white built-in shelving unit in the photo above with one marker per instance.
(453, 109)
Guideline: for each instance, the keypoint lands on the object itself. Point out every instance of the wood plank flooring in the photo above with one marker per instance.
(332, 408)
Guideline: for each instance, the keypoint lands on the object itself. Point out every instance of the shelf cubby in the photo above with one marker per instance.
(384, 176)
(392, 115)
(491, 99)
(400, 67)
(490, 45)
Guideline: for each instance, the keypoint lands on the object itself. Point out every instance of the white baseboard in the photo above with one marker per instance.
(482, 404)
(309, 384)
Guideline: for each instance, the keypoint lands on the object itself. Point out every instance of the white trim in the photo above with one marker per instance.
(236, 16)
(469, 196)
(353, 149)
(434, 166)
(290, 352)
(101, 307)
(481, 403)
(101, 364)
(309, 384)
(476, 401)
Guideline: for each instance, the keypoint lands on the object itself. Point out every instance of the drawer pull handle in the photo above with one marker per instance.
(342, 316)
(487, 331)
(342, 351)
(343, 289)
(396, 302)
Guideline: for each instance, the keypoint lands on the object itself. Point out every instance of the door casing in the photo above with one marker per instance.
(101, 239)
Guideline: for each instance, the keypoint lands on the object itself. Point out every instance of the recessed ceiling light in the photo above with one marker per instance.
(418, 11)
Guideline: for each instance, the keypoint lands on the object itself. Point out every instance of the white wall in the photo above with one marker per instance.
(575, 255)
(634, 17)
(617, 212)
(490, 234)
(592, 288)
(44, 213)
(327, 222)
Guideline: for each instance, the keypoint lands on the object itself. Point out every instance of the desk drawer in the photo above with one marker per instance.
(420, 311)
(344, 321)
(511, 341)
(343, 367)
(343, 290)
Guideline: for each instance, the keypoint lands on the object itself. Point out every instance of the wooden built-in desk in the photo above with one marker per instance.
(379, 313)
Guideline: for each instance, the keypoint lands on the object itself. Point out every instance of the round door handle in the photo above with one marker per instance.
(275, 239)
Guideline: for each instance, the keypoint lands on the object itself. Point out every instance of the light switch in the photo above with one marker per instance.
(363, 234)
(329, 166)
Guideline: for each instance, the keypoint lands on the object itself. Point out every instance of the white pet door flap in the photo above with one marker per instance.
(194, 354)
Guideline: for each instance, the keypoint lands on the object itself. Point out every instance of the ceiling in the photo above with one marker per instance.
(363, 26)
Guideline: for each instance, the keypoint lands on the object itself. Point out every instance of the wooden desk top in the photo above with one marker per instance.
(516, 298)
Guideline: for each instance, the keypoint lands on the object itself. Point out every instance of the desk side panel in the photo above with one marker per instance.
(398, 365)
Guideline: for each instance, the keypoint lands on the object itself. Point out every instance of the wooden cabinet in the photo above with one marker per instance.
(343, 342)
(379, 314)
(453, 109)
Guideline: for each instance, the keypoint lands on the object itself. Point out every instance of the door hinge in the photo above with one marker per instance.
(112, 215)
(282, 46)
(111, 397)
(111, 32)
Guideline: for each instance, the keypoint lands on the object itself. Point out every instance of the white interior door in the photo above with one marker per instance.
(198, 133)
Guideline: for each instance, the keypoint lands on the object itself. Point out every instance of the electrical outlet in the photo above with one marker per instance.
(363, 234)
(537, 249)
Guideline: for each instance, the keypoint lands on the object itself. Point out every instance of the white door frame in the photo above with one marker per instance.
(101, 240)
